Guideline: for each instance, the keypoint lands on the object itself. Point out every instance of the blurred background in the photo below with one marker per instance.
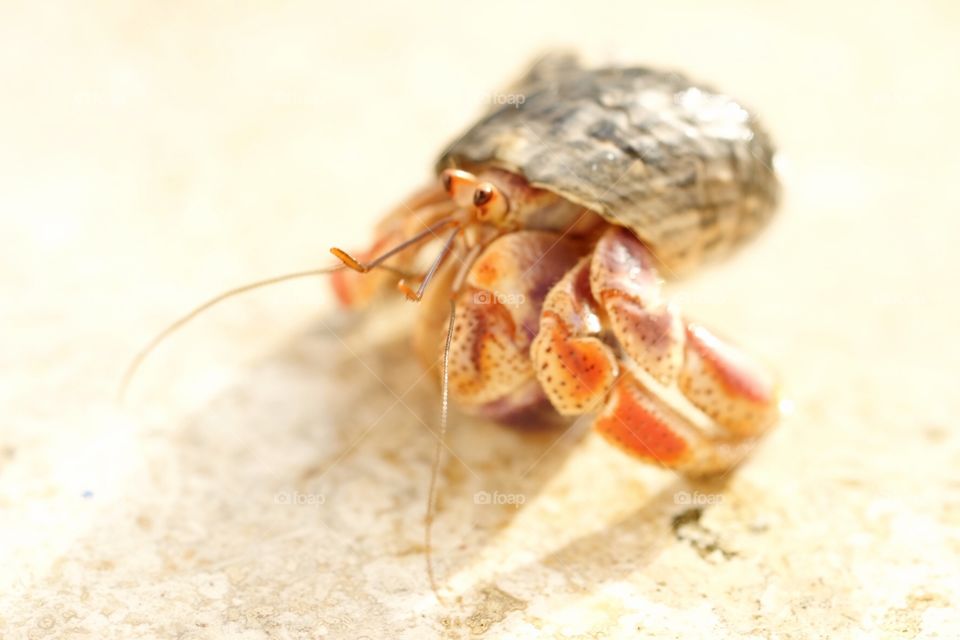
(156, 153)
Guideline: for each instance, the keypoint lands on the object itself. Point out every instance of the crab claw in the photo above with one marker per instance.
(624, 280)
(639, 421)
(574, 366)
(727, 385)
(497, 316)
(643, 426)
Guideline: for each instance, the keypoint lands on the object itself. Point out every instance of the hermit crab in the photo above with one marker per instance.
(538, 254)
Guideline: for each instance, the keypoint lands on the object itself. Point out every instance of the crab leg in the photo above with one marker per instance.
(624, 281)
(574, 366)
(736, 391)
(660, 354)
(640, 421)
(716, 376)
(497, 314)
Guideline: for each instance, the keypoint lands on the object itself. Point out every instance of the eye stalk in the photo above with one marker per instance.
(490, 203)
(459, 185)
(487, 201)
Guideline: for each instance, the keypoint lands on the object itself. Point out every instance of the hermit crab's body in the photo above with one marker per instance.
(557, 216)
(558, 213)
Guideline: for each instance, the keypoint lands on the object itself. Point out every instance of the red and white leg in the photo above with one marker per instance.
(664, 362)
(497, 316)
(574, 366)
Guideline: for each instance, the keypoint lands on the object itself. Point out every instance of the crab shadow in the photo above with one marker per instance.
(323, 450)
(625, 545)
(343, 416)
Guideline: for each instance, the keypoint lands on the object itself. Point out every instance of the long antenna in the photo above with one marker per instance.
(171, 328)
(432, 491)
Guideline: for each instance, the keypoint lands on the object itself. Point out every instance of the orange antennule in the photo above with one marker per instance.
(415, 296)
(431, 231)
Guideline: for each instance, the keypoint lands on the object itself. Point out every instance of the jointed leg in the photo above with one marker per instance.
(498, 312)
(574, 366)
(661, 356)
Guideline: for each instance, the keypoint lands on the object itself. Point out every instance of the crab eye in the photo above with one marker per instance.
(482, 195)
(490, 203)
(459, 185)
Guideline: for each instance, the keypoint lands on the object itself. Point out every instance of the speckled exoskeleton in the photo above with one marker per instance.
(559, 214)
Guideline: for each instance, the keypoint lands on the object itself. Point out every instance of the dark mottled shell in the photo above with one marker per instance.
(688, 169)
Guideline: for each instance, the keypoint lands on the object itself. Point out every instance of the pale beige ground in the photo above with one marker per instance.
(153, 154)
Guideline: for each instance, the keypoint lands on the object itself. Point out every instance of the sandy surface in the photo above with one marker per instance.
(268, 478)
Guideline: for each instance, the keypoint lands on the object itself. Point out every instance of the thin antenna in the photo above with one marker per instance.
(432, 491)
(177, 324)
